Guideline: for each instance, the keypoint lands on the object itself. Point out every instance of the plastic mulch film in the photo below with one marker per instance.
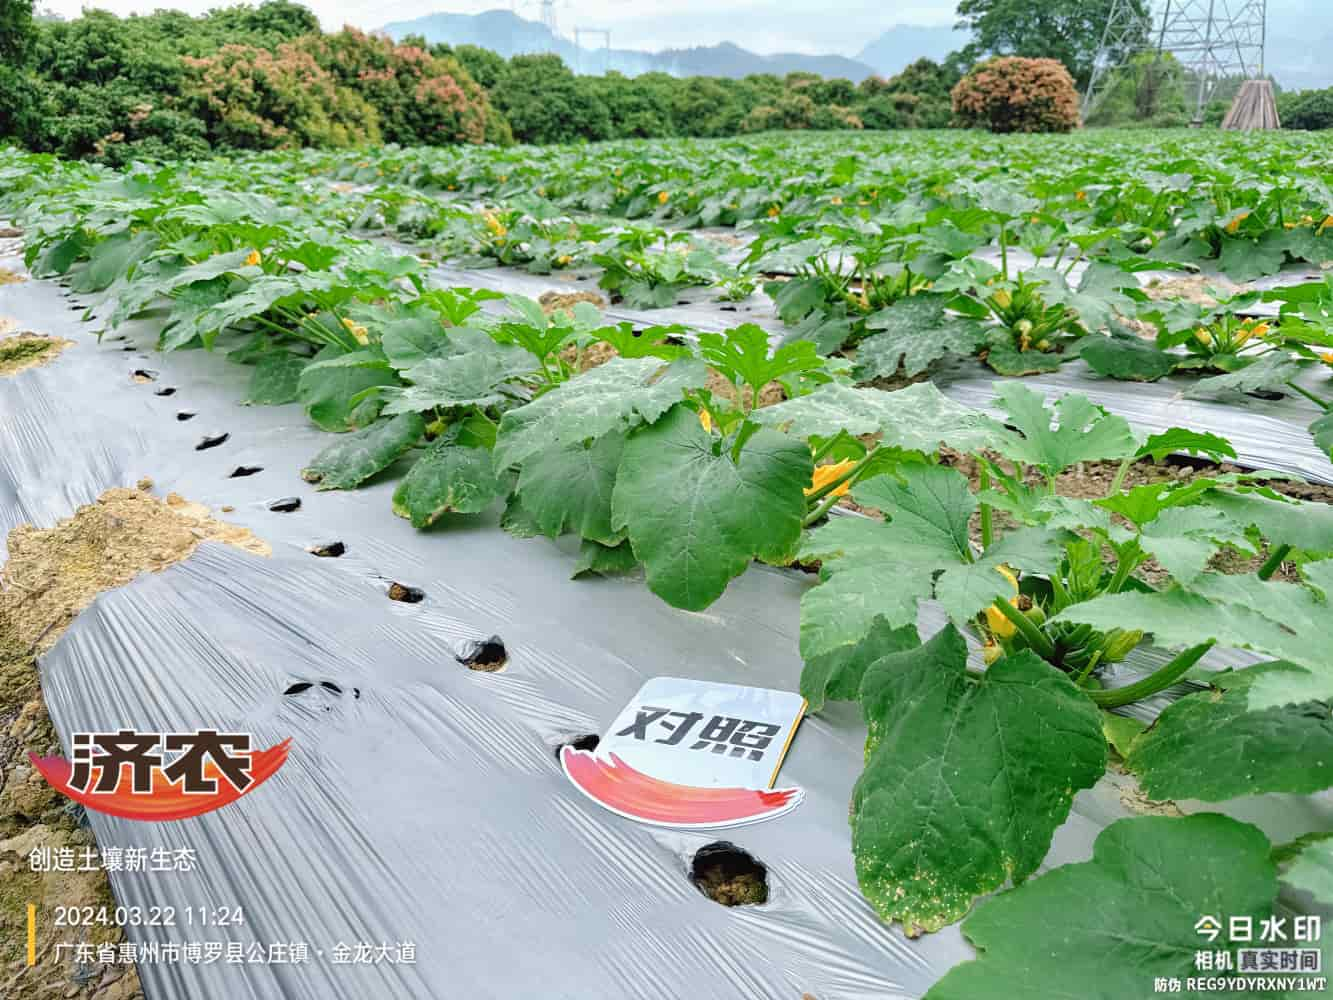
(422, 802)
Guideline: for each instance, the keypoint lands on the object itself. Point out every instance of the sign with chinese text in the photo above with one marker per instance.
(687, 753)
(160, 776)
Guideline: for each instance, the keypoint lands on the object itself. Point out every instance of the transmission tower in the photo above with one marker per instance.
(1211, 39)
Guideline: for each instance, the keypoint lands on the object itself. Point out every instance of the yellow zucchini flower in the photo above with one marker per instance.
(357, 331)
(253, 260)
(825, 474)
(995, 618)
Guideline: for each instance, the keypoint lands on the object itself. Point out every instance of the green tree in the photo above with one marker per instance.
(547, 103)
(16, 31)
(1068, 30)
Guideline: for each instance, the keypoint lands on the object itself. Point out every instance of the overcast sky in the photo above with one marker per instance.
(760, 25)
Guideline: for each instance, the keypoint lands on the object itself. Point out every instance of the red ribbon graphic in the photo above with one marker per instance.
(166, 801)
(632, 793)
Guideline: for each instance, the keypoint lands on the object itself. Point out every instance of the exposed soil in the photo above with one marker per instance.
(730, 876)
(28, 350)
(722, 389)
(51, 576)
(553, 301)
(1191, 289)
(593, 356)
(9, 276)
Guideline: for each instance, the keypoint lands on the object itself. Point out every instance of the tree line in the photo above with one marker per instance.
(168, 85)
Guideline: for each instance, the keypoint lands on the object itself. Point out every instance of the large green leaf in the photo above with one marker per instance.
(914, 333)
(696, 517)
(448, 478)
(603, 560)
(1070, 431)
(1212, 746)
(327, 386)
(410, 340)
(1128, 359)
(1307, 526)
(836, 676)
(276, 379)
(1312, 869)
(352, 459)
(1111, 926)
(111, 260)
(615, 396)
(1284, 620)
(876, 569)
(1322, 432)
(144, 290)
(569, 489)
(919, 417)
(471, 379)
(965, 782)
(259, 296)
(1269, 373)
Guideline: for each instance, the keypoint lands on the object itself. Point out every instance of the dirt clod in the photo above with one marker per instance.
(728, 875)
(405, 594)
(28, 350)
(555, 301)
(8, 276)
(486, 655)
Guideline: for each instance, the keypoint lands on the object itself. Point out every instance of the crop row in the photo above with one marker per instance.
(692, 456)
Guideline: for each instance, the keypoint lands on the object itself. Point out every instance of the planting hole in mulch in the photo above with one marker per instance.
(28, 350)
(184, 415)
(241, 471)
(300, 687)
(486, 655)
(407, 595)
(327, 550)
(286, 505)
(167, 390)
(728, 875)
(211, 441)
(144, 375)
(588, 742)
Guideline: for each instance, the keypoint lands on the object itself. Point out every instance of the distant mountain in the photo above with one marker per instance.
(904, 44)
(508, 34)
(731, 60)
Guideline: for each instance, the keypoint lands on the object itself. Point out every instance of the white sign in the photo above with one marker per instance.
(687, 753)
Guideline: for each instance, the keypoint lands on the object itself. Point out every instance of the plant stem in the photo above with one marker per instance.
(1159, 680)
(824, 507)
(1274, 562)
(1310, 396)
(1120, 474)
(1036, 637)
(1092, 665)
(1004, 253)
(827, 446)
(986, 527)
